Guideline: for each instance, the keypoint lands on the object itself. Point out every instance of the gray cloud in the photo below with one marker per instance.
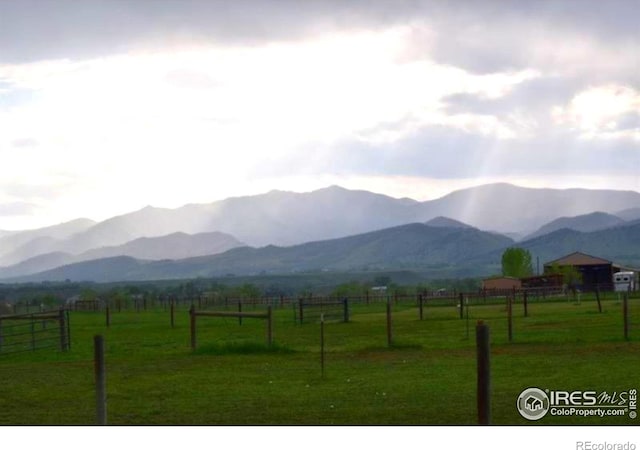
(485, 36)
(493, 36)
(48, 29)
(445, 152)
(536, 95)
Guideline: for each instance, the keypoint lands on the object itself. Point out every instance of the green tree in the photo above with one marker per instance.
(516, 262)
(571, 276)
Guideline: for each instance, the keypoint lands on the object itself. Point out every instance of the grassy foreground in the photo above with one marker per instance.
(428, 376)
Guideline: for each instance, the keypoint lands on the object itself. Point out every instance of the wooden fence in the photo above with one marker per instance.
(193, 315)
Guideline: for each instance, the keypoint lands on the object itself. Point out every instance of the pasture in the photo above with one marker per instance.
(427, 376)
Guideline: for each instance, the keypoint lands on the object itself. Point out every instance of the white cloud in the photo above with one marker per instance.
(596, 112)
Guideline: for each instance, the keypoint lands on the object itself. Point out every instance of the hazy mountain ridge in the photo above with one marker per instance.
(507, 208)
(620, 244)
(173, 246)
(287, 218)
(407, 246)
(586, 222)
(11, 243)
(411, 247)
(630, 214)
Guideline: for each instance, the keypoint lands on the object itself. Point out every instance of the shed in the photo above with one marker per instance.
(501, 282)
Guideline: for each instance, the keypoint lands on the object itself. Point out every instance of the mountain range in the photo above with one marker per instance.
(285, 231)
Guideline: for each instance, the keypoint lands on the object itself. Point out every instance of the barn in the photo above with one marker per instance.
(594, 271)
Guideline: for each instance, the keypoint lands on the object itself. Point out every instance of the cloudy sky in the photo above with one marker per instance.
(108, 106)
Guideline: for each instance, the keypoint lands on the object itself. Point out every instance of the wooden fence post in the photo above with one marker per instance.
(240, 310)
(33, 334)
(192, 321)
(172, 311)
(625, 315)
(64, 338)
(525, 303)
(107, 316)
(345, 309)
(467, 315)
(269, 326)
(510, 317)
(483, 353)
(322, 345)
(389, 331)
(300, 310)
(421, 306)
(100, 379)
(598, 299)
(461, 306)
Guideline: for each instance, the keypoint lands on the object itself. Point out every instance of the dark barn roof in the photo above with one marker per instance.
(579, 259)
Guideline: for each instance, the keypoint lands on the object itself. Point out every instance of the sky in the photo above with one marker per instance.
(109, 106)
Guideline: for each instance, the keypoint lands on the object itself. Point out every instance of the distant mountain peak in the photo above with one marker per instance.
(445, 222)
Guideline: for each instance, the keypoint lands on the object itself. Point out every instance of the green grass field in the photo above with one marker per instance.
(428, 376)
